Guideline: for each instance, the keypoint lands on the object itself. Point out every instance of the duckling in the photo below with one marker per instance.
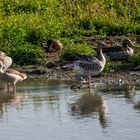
(52, 46)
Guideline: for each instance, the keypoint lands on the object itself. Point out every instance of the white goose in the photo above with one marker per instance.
(12, 76)
(5, 61)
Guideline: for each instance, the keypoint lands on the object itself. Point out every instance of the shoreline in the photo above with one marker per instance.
(109, 78)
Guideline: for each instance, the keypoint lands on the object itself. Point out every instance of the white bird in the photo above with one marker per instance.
(5, 61)
(88, 66)
(12, 76)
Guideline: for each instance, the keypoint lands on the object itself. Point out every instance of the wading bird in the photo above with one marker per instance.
(88, 65)
(12, 76)
(5, 61)
(52, 46)
(120, 52)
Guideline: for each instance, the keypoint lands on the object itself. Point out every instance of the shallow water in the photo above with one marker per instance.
(50, 110)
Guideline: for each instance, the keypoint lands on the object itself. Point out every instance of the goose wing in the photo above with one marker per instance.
(13, 71)
(85, 57)
(116, 48)
(92, 66)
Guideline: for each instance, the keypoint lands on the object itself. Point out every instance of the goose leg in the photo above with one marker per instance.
(89, 82)
(14, 88)
(8, 87)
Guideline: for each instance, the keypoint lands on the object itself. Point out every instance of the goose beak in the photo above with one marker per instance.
(132, 45)
(107, 45)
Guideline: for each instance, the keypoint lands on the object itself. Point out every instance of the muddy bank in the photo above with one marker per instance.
(122, 73)
(110, 78)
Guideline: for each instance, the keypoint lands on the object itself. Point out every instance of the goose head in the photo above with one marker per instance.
(2, 54)
(127, 42)
(102, 45)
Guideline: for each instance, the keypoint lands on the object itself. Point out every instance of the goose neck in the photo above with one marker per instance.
(100, 55)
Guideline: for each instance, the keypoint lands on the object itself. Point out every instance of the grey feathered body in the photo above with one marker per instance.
(90, 65)
(120, 52)
(121, 55)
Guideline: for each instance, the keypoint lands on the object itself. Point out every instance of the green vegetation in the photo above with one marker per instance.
(25, 24)
(73, 50)
(135, 59)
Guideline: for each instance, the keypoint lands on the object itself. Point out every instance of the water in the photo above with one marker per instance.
(50, 110)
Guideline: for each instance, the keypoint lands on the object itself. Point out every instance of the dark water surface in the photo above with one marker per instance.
(42, 110)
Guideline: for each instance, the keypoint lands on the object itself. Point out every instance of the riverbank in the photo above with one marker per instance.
(129, 77)
(115, 72)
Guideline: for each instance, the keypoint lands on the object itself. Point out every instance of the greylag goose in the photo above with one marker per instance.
(120, 52)
(12, 76)
(88, 65)
(5, 61)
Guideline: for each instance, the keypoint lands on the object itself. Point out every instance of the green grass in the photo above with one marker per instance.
(135, 59)
(25, 24)
(73, 50)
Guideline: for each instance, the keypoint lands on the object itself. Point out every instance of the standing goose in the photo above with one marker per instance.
(88, 66)
(12, 76)
(5, 61)
(52, 46)
(120, 52)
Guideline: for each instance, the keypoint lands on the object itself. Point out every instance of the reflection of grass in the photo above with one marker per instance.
(52, 101)
(24, 25)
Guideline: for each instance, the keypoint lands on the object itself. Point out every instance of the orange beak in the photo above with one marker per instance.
(106, 45)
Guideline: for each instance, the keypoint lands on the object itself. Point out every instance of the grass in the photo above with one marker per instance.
(24, 25)
(135, 59)
(73, 50)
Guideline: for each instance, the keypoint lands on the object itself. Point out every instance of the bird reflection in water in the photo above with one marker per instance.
(7, 99)
(137, 105)
(88, 104)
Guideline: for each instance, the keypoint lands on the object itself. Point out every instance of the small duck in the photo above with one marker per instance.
(52, 46)
(12, 76)
(120, 52)
(5, 61)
